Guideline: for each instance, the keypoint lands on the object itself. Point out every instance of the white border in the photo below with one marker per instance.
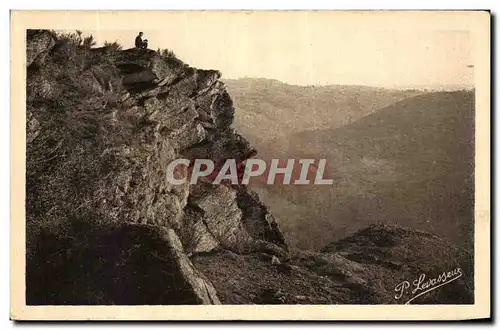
(187, 4)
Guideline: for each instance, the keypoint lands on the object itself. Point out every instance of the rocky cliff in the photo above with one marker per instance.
(105, 227)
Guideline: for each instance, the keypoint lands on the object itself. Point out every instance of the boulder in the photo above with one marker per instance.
(201, 289)
(269, 248)
(123, 265)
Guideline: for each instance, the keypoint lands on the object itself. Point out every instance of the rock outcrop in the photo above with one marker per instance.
(103, 124)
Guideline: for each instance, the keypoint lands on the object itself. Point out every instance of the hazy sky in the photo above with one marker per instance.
(310, 48)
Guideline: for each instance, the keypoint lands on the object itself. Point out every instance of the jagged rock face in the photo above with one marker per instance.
(218, 213)
(103, 124)
(267, 227)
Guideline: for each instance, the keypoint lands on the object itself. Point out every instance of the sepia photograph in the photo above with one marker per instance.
(291, 159)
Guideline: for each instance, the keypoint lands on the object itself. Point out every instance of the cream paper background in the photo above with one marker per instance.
(475, 22)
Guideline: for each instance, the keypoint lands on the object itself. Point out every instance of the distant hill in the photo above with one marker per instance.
(410, 163)
(268, 109)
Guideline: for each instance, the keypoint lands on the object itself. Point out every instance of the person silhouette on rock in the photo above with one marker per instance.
(139, 44)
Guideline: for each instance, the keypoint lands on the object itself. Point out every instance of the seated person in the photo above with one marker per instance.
(139, 43)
